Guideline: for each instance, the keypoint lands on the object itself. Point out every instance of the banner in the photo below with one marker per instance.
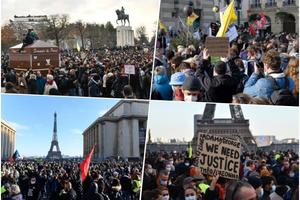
(218, 155)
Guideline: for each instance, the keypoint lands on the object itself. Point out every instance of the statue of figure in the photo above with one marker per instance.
(29, 39)
(122, 16)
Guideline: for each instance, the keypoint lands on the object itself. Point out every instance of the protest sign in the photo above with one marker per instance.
(232, 33)
(217, 46)
(129, 69)
(218, 155)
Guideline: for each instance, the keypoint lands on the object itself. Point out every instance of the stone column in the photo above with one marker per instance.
(135, 138)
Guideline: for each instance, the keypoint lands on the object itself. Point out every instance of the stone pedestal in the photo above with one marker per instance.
(125, 36)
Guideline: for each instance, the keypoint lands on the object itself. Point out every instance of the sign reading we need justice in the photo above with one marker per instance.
(218, 155)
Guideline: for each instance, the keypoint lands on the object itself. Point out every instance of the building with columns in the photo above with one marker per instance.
(8, 140)
(119, 132)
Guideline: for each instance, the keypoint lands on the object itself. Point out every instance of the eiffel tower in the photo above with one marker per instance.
(236, 127)
(54, 143)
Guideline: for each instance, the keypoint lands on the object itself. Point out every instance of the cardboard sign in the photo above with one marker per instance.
(218, 155)
(129, 69)
(232, 33)
(217, 46)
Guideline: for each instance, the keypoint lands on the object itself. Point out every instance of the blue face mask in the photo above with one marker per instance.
(163, 183)
(190, 198)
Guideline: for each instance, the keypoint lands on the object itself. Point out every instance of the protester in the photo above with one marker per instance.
(96, 73)
(249, 68)
(263, 176)
(61, 180)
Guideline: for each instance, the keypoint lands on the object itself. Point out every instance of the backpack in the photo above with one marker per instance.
(282, 96)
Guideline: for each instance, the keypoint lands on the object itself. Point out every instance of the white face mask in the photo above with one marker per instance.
(149, 171)
(163, 183)
(261, 193)
(187, 164)
(190, 98)
(190, 198)
(165, 197)
(273, 188)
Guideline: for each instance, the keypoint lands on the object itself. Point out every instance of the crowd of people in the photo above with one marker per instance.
(263, 176)
(61, 180)
(257, 70)
(93, 73)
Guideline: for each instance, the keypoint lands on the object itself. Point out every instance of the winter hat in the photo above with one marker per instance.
(49, 77)
(177, 78)
(254, 181)
(191, 83)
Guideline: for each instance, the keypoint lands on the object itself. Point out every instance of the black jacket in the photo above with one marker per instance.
(218, 88)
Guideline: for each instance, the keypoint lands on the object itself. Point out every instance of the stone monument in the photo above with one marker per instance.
(125, 34)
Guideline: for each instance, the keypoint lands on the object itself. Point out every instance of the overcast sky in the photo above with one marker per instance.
(170, 120)
(141, 12)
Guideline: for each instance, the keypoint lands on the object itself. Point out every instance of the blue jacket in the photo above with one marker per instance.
(161, 86)
(258, 86)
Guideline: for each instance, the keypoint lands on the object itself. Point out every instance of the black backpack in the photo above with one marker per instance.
(282, 96)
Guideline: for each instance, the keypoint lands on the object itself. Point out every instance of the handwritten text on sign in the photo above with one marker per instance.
(218, 155)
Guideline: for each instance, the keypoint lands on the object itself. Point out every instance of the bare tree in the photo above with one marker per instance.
(81, 30)
(57, 27)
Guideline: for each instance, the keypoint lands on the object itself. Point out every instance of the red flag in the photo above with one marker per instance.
(252, 30)
(263, 20)
(84, 166)
(10, 159)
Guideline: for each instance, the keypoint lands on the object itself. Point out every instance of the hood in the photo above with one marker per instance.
(160, 79)
(277, 75)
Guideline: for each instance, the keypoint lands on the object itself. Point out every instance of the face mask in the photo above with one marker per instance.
(273, 188)
(168, 168)
(258, 56)
(190, 198)
(32, 182)
(163, 183)
(261, 193)
(165, 197)
(187, 164)
(190, 98)
(149, 171)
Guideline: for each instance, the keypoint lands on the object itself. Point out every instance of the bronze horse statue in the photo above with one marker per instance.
(123, 17)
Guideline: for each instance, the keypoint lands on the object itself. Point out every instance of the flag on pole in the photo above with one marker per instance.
(190, 19)
(227, 18)
(77, 46)
(84, 166)
(162, 26)
(16, 155)
(190, 150)
(262, 22)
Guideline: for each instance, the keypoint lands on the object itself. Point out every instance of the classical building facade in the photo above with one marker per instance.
(8, 140)
(282, 15)
(172, 12)
(237, 127)
(119, 132)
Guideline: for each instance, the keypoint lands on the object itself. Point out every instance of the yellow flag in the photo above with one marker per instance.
(78, 47)
(227, 18)
(162, 26)
(191, 19)
(190, 150)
